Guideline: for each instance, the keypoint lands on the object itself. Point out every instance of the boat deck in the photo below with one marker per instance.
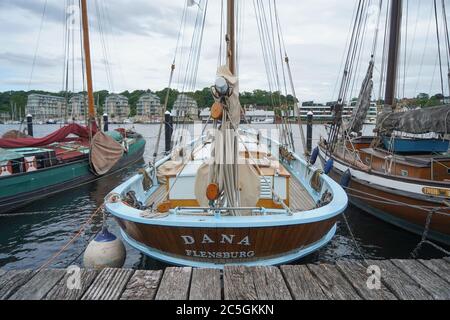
(346, 280)
(300, 199)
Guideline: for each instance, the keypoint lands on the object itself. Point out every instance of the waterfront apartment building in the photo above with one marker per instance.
(148, 108)
(117, 107)
(46, 107)
(77, 107)
(185, 107)
(5, 116)
(322, 113)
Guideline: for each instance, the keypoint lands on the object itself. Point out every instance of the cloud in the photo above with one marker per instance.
(139, 39)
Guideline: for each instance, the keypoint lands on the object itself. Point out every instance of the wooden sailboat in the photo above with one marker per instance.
(402, 180)
(228, 198)
(32, 169)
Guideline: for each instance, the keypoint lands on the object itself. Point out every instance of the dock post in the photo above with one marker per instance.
(169, 130)
(105, 123)
(30, 125)
(309, 131)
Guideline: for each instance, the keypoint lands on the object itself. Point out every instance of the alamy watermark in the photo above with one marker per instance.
(374, 280)
(74, 278)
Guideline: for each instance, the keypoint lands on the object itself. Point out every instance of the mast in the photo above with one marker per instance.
(87, 54)
(394, 48)
(231, 37)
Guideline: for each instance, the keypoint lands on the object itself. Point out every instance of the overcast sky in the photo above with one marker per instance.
(143, 35)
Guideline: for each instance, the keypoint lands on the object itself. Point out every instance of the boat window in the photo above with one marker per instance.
(405, 173)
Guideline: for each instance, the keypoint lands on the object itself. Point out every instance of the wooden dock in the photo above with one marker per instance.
(346, 280)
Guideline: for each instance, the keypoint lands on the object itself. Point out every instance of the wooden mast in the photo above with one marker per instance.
(394, 48)
(231, 37)
(87, 56)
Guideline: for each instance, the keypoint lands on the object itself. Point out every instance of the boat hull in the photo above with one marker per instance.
(378, 199)
(22, 189)
(217, 247)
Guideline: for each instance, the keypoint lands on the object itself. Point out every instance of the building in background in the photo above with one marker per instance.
(4, 116)
(45, 107)
(148, 108)
(77, 107)
(185, 107)
(117, 107)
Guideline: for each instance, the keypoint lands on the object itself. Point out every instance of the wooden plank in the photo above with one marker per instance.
(205, 285)
(143, 285)
(10, 281)
(238, 284)
(109, 285)
(63, 290)
(357, 275)
(38, 287)
(269, 284)
(175, 284)
(427, 279)
(302, 284)
(333, 283)
(440, 267)
(399, 283)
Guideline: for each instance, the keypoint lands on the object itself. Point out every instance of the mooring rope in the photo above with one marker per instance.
(72, 240)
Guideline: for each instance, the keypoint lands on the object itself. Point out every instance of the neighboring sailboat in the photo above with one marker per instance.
(228, 198)
(398, 176)
(32, 169)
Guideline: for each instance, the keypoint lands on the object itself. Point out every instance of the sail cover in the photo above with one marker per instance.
(359, 115)
(60, 135)
(421, 121)
(105, 153)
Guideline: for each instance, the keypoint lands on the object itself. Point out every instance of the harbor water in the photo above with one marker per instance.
(32, 234)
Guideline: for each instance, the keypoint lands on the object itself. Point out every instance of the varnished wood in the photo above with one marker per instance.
(264, 242)
(87, 58)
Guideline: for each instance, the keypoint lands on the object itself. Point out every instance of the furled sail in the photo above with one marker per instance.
(225, 168)
(420, 121)
(356, 122)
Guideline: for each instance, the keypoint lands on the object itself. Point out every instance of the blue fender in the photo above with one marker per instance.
(329, 166)
(314, 156)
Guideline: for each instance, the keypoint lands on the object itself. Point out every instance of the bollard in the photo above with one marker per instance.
(30, 125)
(309, 131)
(105, 123)
(169, 130)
